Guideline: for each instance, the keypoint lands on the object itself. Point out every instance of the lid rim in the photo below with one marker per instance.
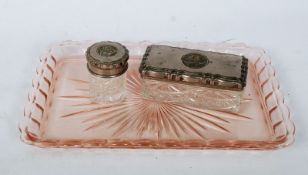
(106, 75)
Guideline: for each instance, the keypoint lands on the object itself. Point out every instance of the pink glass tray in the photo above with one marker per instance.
(59, 114)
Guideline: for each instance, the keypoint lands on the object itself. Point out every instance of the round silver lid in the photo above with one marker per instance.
(107, 59)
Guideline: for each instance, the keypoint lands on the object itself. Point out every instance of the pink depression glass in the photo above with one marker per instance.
(59, 112)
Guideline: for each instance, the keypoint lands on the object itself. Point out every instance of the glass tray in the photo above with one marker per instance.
(59, 114)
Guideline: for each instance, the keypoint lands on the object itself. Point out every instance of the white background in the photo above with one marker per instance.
(28, 27)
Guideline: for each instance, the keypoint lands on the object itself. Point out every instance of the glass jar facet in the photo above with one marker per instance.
(106, 90)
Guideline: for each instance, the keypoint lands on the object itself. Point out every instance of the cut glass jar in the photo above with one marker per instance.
(107, 65)
(197, 78)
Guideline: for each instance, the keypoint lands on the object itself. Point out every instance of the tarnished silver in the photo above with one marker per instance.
(194, 67)
(107, 59)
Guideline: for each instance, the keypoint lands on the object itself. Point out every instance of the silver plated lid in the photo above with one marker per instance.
(107, 59)
(194, 67)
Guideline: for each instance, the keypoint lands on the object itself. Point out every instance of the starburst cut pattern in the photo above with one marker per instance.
(139, 115)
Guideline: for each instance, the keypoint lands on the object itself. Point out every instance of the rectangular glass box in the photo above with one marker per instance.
(197, 78)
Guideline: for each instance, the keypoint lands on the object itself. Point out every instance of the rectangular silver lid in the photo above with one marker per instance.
(195, 67)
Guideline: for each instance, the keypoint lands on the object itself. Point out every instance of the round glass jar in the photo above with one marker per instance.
(107, 65)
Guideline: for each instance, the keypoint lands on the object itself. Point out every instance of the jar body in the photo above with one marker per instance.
(196, 96)
(106, 90)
